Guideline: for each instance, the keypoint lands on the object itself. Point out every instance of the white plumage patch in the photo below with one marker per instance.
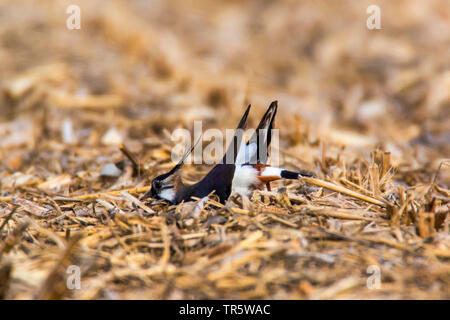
(247, 153)
(245, 177)
(271, 171)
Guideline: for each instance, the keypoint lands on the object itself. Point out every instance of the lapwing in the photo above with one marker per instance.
(242, 170)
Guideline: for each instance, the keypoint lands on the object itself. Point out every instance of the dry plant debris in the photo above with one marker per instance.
(85, 123)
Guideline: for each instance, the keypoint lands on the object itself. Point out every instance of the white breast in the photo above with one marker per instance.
(245, 177)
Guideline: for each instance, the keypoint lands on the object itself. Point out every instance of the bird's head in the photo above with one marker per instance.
(165, 186)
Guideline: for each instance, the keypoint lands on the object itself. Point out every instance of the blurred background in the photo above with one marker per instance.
(162, 64)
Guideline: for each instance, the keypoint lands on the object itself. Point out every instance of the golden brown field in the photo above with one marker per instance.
(368, 111)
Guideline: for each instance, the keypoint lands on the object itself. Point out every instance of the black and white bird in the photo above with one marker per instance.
(169, 186)
(242, 170)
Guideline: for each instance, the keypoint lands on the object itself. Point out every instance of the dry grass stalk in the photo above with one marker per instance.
(333, 187)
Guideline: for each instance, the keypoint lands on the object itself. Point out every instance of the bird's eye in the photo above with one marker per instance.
(157, 184)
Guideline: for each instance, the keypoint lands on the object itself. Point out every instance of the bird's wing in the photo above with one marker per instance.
(232, 151)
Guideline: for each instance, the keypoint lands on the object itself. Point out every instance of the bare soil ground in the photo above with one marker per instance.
(368, 111)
